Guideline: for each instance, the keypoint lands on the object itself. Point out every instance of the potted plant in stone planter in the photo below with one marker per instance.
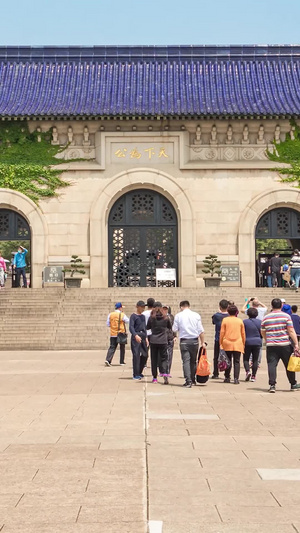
(75, 268)
(212, 266)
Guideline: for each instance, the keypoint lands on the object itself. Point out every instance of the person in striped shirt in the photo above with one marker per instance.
(277, 330)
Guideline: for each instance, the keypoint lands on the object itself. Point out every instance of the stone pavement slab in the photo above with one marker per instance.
(85, 449)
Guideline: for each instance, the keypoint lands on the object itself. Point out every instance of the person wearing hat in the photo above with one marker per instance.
(139, 340)
(286, 308)
(116, 322)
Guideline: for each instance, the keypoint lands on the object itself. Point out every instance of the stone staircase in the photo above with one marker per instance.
(58, 319)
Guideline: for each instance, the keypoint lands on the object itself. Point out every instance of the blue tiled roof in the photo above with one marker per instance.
(150, 81)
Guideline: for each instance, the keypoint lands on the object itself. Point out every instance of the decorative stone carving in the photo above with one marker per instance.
(229, 139)
(261, 135)
(211, 154)
(86, 136)
(228, 153)
(248, 153)
(55, 140)
(70, 136)
(213, 135)
(245, 139)
(197, 139)
(277, 134)
(77, 152)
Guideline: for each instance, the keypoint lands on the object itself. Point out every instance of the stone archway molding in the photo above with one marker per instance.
(17, 201)
(128, 181)
(284, 197)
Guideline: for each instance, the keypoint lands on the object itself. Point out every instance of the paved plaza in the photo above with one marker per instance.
(85, 449)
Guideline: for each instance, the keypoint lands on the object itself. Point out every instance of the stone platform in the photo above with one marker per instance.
(84, 449)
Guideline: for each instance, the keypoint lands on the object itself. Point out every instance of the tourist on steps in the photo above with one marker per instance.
(190, 329)
(19, 265)
(116, 322)
(232, 340)
(294, 268)
(139, 340)
(159, 325)
(2, 271)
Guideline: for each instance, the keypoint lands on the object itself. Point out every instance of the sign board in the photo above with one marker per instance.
(166, 274)
(53, 274)
(230, 273)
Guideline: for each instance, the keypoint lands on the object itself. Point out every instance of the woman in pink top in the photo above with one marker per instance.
(2, 271)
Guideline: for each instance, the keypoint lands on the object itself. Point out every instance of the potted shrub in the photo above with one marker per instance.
(75, 268)
(212, 266)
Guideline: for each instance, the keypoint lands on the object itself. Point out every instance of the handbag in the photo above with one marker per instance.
(203, 367)
(294, 363)
(121, 337)
(223, 361)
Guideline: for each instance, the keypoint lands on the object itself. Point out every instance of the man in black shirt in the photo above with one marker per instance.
(139, 341)
(275, 266)
(217, 322)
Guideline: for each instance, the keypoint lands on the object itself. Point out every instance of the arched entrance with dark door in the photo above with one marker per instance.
(278, 230)
(143, 236)
(14, 231)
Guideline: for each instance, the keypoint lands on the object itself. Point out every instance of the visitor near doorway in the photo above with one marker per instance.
(275, 266)
(295, 270)
(19, 265)
(2, 271)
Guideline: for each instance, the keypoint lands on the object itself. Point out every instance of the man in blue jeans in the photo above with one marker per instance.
(20, 266)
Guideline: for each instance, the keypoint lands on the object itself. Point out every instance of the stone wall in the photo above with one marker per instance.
(215, 173)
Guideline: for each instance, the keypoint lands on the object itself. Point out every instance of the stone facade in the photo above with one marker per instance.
(214, 172)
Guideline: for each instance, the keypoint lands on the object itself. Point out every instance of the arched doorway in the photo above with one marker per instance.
(14, 231)
(278, 230)
(143, 234)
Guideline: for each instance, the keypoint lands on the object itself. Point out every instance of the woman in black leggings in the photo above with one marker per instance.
(159, 325)
(253, 343)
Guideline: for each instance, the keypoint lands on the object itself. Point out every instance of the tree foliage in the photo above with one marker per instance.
(26, 161)
(288, 152)
(211, 265)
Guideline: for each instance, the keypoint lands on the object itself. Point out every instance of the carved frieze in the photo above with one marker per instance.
(225, 152)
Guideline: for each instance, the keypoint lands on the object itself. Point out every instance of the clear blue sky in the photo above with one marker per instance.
(129, 22)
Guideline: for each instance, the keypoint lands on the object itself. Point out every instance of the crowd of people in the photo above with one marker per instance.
(156, 329)
(275, 272)
(16, 267)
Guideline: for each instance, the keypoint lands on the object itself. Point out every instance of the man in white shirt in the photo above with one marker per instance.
(189, 327)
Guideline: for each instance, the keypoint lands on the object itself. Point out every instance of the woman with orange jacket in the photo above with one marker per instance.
(232, 340)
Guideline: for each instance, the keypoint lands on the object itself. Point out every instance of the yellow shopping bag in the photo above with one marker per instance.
(294, 364)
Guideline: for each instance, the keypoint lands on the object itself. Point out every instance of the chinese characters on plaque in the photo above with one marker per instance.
(142, 152)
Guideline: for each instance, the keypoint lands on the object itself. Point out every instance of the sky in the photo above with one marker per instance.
(161, 22)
